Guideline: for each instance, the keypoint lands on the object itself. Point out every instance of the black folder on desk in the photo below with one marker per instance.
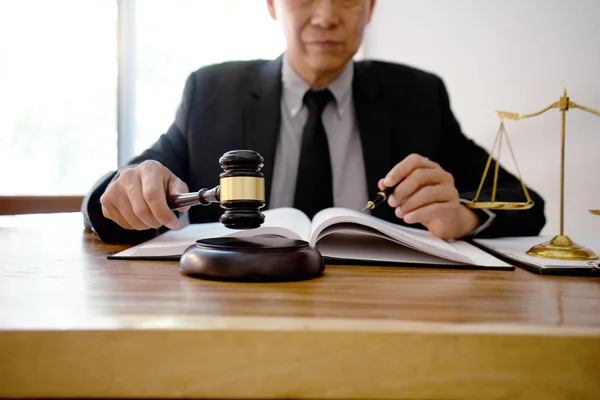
(514, 251)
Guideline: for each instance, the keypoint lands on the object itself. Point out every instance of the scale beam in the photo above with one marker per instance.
(561, 246)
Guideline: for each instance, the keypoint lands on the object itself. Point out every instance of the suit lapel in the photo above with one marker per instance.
(374, 119)
(262, 116)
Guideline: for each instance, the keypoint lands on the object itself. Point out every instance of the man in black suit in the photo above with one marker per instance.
(331, 131)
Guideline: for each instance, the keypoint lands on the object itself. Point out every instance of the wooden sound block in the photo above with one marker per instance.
(264, 258)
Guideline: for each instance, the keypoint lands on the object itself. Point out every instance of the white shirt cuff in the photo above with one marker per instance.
(486, 224)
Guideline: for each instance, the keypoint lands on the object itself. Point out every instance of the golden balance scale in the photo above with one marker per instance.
(561, 246)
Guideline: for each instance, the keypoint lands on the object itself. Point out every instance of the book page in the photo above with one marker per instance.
(414, 238)
(478, 256)
(287, 222)
(371, 246)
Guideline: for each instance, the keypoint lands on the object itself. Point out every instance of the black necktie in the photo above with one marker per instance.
(314, 186)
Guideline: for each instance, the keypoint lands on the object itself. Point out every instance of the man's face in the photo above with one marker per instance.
(321, 35)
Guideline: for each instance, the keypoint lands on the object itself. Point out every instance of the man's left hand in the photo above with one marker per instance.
(426, 194)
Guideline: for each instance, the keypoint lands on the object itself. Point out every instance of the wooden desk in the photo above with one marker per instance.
(74, 324)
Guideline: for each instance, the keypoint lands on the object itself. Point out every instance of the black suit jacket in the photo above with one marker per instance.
(399, 110)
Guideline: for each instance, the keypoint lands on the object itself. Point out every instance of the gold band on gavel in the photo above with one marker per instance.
(242, 188)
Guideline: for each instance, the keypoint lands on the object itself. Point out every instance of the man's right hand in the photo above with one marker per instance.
(137, 199)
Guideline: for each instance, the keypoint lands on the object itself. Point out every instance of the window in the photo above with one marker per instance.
(59, 74)
(176, 37)
(58, 77)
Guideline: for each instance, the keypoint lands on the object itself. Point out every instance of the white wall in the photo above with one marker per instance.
(512, 55)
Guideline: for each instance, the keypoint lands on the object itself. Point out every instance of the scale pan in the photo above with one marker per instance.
(501, 205)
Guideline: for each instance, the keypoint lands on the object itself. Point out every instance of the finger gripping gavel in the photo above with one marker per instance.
(241, 191)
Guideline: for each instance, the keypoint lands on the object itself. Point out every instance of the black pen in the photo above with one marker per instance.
(381, 197)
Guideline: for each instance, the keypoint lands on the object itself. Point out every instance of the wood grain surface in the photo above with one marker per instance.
(74, 324)
(11, 205)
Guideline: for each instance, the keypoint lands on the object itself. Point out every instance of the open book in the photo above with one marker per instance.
(341, 235)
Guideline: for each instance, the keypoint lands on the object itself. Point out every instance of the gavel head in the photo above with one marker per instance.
(242, 189)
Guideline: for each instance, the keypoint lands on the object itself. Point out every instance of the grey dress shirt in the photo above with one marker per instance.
(345, 150)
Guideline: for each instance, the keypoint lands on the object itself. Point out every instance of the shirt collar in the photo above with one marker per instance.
(294, 88)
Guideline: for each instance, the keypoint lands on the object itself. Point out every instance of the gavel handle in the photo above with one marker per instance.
(203, 196)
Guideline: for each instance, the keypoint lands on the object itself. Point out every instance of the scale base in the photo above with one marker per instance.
(561, 247)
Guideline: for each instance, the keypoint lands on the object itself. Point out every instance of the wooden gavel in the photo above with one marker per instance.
(241, 191)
